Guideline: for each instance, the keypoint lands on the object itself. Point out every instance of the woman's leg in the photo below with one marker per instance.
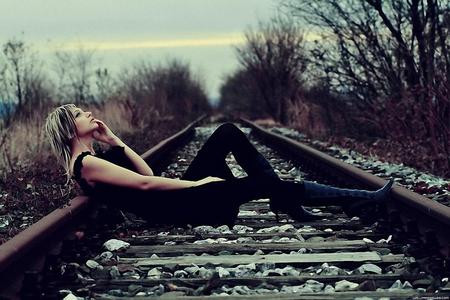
(218, 202)
(210, 159)
(211, 203)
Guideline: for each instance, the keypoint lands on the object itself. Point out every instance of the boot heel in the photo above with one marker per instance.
(277, 217)
(275, 210)
(294, 210)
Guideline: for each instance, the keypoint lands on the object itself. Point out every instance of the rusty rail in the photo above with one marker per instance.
(27, 250)
(430, 216)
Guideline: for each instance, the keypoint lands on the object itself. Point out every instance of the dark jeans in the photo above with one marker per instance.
(218, 202)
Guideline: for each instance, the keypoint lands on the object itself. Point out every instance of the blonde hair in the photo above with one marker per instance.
(60, 128)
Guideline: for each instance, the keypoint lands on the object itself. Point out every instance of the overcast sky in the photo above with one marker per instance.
(198, 31)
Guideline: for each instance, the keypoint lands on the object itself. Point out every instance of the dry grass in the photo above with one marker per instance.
(25, 142)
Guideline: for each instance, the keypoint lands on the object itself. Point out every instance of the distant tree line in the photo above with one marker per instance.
(29, 87)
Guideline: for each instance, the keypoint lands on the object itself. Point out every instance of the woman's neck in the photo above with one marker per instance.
(82, 144)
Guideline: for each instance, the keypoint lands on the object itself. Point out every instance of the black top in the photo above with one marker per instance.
(213, 203)
(115, 155)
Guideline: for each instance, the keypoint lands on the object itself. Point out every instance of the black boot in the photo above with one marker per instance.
(352, 200)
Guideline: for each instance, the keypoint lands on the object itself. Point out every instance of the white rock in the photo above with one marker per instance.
(306, 228)
(113, 245)
(180, 274)
(204, 229)
(222, 272)
(331, 270)
(205, 273)
(287, 228)
(385, 240)
(240, 290)
(154, 273)
(70, 297)
(268, 229)
(247, 213)
(290, 289)
(242, 240)
(92, 264)
(314, 285)
(398, 285)
(344, 285)
(291, 271)
(328, 289)
(242, 228)
(369, 241)
(224, 229)
(192, 270)
(407, 285)
(107, 255)
(285, 239)
(369, 269)
(244, 270)
(207, 241)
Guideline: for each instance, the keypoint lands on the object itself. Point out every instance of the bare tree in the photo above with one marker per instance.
(104, 83)
(240, 93)
(23, 83)
(165, 91)
(6, 101)
(274, 56)
(75, 74)
(15, 51)
(380, 47)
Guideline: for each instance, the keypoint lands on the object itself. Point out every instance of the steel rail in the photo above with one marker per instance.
(27, 250)
(430, 216)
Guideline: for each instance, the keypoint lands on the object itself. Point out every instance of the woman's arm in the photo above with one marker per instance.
(141, 166)
(104, 134)
(102, 171)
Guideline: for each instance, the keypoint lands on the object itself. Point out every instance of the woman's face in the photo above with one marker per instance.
(84, 121)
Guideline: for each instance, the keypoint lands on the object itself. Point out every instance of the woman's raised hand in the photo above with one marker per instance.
(208, 179)
(103, 133)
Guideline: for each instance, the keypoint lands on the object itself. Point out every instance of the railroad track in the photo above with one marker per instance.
(404, 254)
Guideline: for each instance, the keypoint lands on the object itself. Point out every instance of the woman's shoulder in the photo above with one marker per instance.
(76, 163)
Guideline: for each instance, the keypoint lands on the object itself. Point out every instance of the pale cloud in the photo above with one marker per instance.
(222, 40)
(230, 39)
